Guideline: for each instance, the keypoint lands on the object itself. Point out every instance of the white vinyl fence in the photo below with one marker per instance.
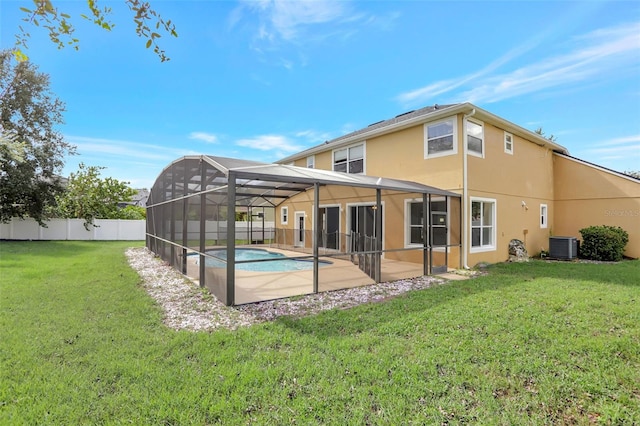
(73, 229)
(217, 230)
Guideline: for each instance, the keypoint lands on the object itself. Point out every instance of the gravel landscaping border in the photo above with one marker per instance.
(186, 306)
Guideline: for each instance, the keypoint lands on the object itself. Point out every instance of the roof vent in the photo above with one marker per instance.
(435, 106)
(377, 122)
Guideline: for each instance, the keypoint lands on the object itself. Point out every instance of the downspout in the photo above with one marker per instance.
(465, 192)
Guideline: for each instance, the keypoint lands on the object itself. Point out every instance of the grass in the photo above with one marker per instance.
(536, 343)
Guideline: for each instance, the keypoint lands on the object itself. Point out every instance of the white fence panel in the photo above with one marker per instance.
(56, 230)
(25, 230)
(73, 229)
(5, 231)
(77, 231)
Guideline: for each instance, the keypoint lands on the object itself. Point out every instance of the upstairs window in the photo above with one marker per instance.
(349, 160)
(508, 143)
(475, 138)
(311, 161)
(284, 215)
(440, 138)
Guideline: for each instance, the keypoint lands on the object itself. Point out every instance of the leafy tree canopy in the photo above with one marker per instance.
(32, 152)
(43, 13)
(132, 213)
(88, 196)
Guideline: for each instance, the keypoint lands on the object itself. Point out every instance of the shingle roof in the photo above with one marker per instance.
(397, 119)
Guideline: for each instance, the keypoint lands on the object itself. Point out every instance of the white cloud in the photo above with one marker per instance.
(205, 137)
(603, 52)
(289, 27)
(285, 18)
(313, 136)
(627, 150)
(621, 141)
(125, 149)
(430, 91)
(134, 162)
(301, 23)
(624, 149)
(270, 143)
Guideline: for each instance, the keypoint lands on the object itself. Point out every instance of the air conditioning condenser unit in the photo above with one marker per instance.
(563, 248)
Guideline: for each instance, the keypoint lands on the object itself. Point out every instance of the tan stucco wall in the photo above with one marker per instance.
(514, 222)
(511, 179)
(590, 196)
(528, 172)
(400, 155)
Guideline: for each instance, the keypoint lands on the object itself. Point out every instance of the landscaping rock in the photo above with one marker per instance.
(517, 251)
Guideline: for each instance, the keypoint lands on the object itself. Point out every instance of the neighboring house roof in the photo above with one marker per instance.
(139, 199)
(421, 116)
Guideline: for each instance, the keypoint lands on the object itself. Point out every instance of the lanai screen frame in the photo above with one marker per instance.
(256, 184)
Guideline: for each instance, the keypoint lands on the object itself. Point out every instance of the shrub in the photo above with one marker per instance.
(603, 243)
(132, 213)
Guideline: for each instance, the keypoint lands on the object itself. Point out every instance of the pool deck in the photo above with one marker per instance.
(340, 274)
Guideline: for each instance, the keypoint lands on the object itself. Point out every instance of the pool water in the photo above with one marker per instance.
(285, 265)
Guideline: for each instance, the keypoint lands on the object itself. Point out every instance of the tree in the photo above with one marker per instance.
(31, 150)
(541, 133)
(89, 197)
(61, 29)
(631, 173)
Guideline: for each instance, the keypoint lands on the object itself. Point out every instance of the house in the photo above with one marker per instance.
(436, 188)
(513, 183)
(139, 199)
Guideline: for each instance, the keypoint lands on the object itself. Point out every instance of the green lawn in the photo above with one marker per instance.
(538, 343)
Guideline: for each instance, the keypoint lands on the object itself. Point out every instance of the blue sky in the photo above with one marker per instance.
(264, 79)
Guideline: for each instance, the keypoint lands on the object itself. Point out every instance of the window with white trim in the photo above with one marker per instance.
(475, 138)
(543, 215)
(440, 138)
(284, 216)
(483, 224)
(311, 161)
(508, 143)
(414, 222)
(349, 159)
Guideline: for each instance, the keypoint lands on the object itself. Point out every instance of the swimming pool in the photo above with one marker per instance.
(244, 254)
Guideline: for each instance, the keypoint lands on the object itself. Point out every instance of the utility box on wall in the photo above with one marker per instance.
(563, 248)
